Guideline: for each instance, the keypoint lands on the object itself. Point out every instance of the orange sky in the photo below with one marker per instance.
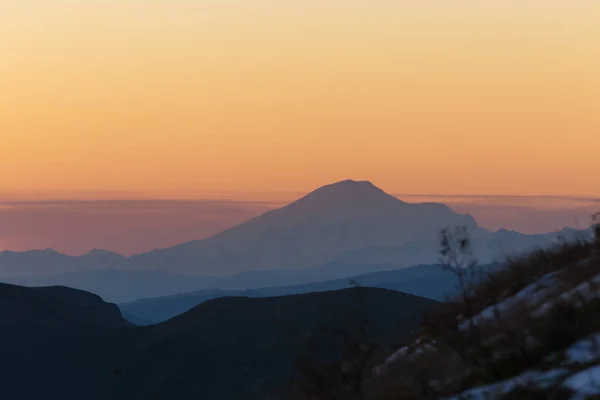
(166, 98)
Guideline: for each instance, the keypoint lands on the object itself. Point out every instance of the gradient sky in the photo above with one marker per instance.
(261, 101)
(166, 98)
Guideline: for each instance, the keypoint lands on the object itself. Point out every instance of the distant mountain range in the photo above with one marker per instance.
(60, 343)
(126, 286)
(428, 281)
(118, 286)
(346, 223)
(319, 228)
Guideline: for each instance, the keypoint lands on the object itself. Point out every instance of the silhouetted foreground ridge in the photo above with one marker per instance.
(60, 343)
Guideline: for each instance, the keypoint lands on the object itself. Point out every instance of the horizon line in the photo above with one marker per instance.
(86, 197)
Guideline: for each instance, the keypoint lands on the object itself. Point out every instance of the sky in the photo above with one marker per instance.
(174, 98)
(212, 99)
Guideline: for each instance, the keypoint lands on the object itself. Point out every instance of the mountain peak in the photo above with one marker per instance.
(348, 197)
(348, 189)
(352, 182)
(335, 219)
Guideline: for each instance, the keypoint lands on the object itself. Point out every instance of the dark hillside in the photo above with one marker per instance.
(55, 306)
(233, 348)
(49, 337)
(63, 344)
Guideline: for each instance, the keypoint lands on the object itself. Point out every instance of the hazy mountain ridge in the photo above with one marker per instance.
(49, 262)
(311, 231)
(121, 285)
(348, 222)
(126, 286)
(489, 247)
(428, 281)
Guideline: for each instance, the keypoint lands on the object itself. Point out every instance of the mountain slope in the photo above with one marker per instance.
(348, 222)
(230, 348)
(233, 348)
(313, 230)
(529, 330)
